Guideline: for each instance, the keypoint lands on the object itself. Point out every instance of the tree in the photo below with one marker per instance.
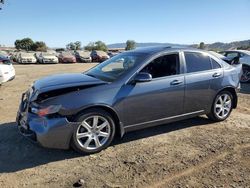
(70, 46)
(78, 45)
(1, 2)
(130, 45)
(28, 44)
(90, 46)
(74, 45)
(98, 45)
(24, 44)
(39, 46)
(202, 46)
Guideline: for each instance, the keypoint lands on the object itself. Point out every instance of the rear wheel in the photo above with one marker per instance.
(222, 106)
(94, 133)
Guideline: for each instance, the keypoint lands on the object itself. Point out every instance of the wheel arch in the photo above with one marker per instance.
(232, 90)
(120, 130)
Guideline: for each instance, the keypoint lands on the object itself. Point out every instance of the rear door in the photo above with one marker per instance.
(200, 78)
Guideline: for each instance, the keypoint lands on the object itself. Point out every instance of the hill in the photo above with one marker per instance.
(214, 46)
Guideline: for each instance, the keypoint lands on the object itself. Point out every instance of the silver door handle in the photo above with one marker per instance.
(176, 82)
(215, 75)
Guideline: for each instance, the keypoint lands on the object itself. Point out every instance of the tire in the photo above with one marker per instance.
(222, 106)
(86, 136)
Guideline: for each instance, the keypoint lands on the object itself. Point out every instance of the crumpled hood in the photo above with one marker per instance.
(61, 81)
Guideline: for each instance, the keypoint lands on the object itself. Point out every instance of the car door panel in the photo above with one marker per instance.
(197, 91)
(153, 100)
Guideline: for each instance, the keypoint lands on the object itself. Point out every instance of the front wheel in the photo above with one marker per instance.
(222, 106)
(94, 133)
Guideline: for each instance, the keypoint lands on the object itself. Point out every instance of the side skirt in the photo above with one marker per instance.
(171, 119)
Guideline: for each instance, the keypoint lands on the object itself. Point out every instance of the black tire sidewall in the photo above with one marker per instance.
(83, 116)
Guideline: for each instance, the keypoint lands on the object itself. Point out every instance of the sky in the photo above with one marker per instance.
(58, 22)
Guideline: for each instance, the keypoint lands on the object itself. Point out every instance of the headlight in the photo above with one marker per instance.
(46, 111)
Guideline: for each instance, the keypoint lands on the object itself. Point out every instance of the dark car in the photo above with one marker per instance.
(99, 56)
(133, 90)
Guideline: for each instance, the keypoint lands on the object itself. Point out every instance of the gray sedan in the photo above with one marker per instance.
(133, 90)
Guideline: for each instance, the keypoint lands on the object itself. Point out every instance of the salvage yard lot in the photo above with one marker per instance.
(194, 153)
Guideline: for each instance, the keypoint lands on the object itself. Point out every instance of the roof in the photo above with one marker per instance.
(157, 49)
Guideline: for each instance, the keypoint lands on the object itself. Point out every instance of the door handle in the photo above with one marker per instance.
(176, 82)
(215, 75)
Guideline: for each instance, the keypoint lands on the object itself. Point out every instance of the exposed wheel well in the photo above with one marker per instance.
(118, 132)
(233, 92)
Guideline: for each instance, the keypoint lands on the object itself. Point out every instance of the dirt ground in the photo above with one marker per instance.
(191, 153)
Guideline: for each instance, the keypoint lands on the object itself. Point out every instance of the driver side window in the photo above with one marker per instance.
(166, 65)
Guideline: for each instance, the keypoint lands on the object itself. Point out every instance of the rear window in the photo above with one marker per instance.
(215, 64)
(196, 62)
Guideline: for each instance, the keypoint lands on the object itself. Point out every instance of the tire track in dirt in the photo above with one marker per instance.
(197, 168)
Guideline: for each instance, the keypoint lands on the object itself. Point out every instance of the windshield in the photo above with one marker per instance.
(85, 53)
(115, 67)
(48, 54)
(27, 55)
(66, 54)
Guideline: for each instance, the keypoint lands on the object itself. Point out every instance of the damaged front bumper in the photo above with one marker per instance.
(53, 132)
(50, 133)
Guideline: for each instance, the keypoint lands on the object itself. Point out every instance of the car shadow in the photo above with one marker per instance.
(17, 153)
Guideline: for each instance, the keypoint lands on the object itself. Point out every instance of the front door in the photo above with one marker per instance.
(156, 100)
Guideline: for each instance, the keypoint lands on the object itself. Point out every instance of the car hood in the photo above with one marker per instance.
(68, 56)
(62, 81)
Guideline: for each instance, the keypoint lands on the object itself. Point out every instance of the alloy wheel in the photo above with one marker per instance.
(223, 106)
(93, 132)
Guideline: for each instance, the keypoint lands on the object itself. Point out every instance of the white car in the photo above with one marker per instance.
(7, 71)
(45, 57)
(26, 57)
(243, 56)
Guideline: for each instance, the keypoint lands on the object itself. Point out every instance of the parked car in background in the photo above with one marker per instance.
(83, 56)
(26, 57)
(230, 61)
(14, 56)
(99, 56)
(45, 57)
(243, 57)
(7, 71)
(133, 90)
(5, 54)
(66, 57)
(112, 54)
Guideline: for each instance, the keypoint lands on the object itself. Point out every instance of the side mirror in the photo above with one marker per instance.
(143, 77)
